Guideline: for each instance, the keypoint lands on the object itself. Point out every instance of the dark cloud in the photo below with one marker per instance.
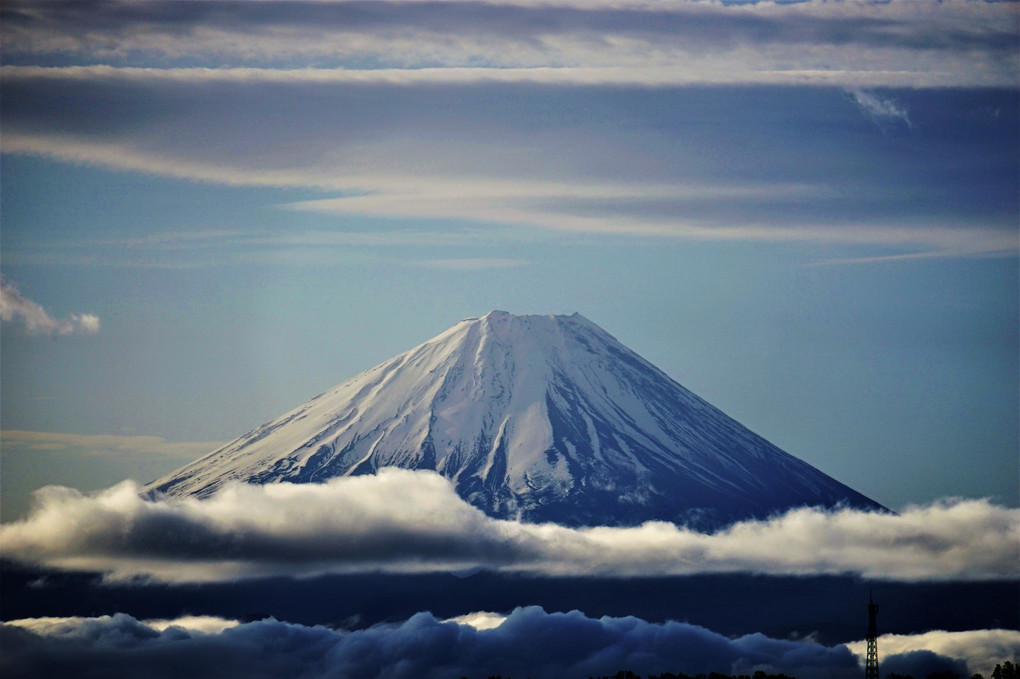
(529, 642)
(922, 664)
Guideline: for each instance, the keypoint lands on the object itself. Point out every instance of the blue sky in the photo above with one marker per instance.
(806, 213)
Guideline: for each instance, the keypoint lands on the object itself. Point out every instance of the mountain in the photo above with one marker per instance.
(541, 418)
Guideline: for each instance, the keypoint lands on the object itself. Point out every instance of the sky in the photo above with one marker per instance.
(805, 212)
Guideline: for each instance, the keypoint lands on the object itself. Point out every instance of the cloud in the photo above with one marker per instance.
(404, 521)
(981, 650)
(177, 250)
(725, 164)
(882, 110)
(861, 44)
(584, 208)
(480, 620)
(59, 626)
(527, 642)
(100, 445)
(89, 462)
(16, 308)
(923, 664)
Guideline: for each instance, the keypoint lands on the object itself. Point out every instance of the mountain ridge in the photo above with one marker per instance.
(539, 418)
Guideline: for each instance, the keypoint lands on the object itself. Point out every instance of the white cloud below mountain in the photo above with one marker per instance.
(403, 521)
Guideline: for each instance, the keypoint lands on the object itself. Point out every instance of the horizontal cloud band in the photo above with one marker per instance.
(950, 43)
(527, 642)
(404, 521)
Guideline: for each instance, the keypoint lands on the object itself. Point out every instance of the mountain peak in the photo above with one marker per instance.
(544, 418)
(500, 315)
(512, 327)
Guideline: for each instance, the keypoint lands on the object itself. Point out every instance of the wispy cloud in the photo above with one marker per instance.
(180, 250)
(624, 209)
(526, 642)
(680, 163)
(35, 320)
(636, 118)
(405, 521)
(882, 109)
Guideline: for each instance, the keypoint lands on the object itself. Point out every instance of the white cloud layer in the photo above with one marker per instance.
(404, 521)
(526, 642)
(16, 308)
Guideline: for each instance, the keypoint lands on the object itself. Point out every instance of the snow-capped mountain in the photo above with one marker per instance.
(542, 418)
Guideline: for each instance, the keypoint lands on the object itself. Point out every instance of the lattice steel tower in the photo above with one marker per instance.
(871, 668)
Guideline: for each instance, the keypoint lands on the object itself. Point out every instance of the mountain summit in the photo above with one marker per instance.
(541, 418)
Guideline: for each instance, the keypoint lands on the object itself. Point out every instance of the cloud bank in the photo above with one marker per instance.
(35, 320)
(404, 521)
(529, 642)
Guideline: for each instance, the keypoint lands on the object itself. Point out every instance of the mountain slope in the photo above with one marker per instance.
(544, 418)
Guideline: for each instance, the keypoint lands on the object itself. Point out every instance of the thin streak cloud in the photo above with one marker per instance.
(650, 76)
(100, 445)
(472, 263)
(404, 521)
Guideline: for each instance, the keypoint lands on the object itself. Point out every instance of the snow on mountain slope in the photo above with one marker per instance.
(543, 418)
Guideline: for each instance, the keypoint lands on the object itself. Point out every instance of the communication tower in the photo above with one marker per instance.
(871, 667)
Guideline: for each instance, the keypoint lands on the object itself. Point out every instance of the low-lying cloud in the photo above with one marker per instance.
(981, 650)
(403, 521)
(16, 308)
(529, 642)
